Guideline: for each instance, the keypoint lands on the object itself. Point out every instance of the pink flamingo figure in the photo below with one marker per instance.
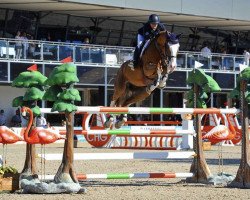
(39, 135)
(221, 132)
(8, 136)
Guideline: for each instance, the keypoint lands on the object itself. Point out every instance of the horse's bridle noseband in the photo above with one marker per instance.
(165, 58)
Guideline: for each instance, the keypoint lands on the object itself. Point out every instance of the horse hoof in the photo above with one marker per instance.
(118, 124)
(109, 123)
(124, 119)
(162, 86)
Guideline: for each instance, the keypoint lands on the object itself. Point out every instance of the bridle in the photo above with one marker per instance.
(165, 57)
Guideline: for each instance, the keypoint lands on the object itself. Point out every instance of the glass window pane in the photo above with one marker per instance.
(216, 62)
(17, 68)
(3, 71)
(224, 80)
(91, 75)
(177, 79)
(65, 51)
(112, 72)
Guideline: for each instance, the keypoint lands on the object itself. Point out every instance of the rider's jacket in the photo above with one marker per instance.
(148, 33)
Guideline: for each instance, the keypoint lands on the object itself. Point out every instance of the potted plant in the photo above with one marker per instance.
(9, 178)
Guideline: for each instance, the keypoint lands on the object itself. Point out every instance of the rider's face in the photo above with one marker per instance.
(153, 25)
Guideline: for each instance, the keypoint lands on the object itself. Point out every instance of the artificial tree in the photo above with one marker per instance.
(201, 85)
(62, 92)
(242, 92)
(34, 81)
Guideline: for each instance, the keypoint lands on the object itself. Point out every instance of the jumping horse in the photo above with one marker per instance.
(157, 61)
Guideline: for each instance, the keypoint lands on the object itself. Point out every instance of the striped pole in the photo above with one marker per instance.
(146, 110)
(123, 156)
(125, 176)
(137, 132)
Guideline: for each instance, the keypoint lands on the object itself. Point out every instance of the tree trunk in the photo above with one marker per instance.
(199, 166)
(66, 172)
(242, 178)
(30, 160)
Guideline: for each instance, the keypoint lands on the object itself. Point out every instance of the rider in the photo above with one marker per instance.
(147, 32)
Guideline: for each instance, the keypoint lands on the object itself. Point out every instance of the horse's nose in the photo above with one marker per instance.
(172, 65)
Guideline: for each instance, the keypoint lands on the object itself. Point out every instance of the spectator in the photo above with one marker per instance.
(86, 40)
(25, 45)
(18, 45)
(246, 57)
(2, 118)
(225, 59)
(41, 121)
(32, 48)
(16, 119)
(206, 54)
(48, 37)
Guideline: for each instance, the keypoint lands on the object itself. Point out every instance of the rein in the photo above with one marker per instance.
(165, 58)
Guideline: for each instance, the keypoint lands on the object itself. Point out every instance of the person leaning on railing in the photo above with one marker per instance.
(246, 57)
(32, 48)
(18, 45)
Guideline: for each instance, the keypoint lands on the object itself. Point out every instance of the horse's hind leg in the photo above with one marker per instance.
(119, 89)
(119, 92)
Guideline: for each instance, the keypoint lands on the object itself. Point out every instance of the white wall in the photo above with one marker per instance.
(7, 94)
(231, 9)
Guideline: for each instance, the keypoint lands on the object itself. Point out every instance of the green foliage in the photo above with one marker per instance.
(63, 75)
(8, 170)
(18, 101)
(70, 95)
(29, 79)
(200, 103)
(197, 76)
(245, 74)
(207, 85)
(235, 93)
(52, 93)
(62, 106)
(206, 82)
(36, 111)
(33, 94)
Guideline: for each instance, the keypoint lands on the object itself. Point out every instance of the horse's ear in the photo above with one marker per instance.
(179, 35)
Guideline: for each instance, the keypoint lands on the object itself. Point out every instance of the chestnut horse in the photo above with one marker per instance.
(157, 60)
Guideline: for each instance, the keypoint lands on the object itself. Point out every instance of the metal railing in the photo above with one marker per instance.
(89, 54)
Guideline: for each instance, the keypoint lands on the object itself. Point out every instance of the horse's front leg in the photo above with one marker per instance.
(122, 120)
(156, 83)
(163, 81)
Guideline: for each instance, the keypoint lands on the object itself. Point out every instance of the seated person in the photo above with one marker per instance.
(16, 120)
(147, 32)
(41, 121)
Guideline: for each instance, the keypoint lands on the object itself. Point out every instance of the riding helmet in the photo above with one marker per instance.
(154, 19)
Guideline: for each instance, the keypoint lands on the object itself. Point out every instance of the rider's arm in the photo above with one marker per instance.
(140, 39)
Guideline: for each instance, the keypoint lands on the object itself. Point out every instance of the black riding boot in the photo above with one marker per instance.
(136, 56)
